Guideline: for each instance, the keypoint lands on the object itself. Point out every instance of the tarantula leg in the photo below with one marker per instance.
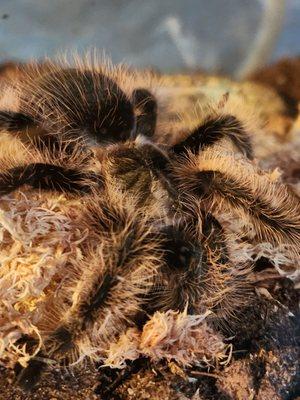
(15, 122)
(12, 121)
(181, 274)
(62, 339)
(223, 182)
(125, 236)
(146, 103)
(213, 130)
(47, 177)
(188, 262)
(224, 285)
(269, 219)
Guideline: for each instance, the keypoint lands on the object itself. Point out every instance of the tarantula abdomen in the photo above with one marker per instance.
(84, 102)
(71, 103)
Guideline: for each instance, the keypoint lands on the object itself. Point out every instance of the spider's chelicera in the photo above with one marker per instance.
(154, 207)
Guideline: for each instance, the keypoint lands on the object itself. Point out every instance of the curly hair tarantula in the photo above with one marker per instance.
(152, 208)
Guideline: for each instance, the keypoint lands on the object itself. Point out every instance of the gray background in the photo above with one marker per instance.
(213, 34)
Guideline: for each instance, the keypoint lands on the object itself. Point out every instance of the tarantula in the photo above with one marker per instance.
(152, 208)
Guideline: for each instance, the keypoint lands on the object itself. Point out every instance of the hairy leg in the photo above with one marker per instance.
(107, 288)
(189, 254)
(238, 186)
(12, 121)
(47, 177)
(214, 129)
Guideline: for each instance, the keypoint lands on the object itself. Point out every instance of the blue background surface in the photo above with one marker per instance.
(215, 34)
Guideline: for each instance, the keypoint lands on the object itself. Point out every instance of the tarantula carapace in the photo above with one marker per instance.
(152, 209)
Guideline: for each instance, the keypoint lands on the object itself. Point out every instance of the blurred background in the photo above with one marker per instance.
(230, 36)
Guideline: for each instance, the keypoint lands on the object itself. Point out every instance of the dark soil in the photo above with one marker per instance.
(265, 364)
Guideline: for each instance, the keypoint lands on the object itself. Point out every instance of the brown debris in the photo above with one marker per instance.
(284, 77)
(237, 381)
